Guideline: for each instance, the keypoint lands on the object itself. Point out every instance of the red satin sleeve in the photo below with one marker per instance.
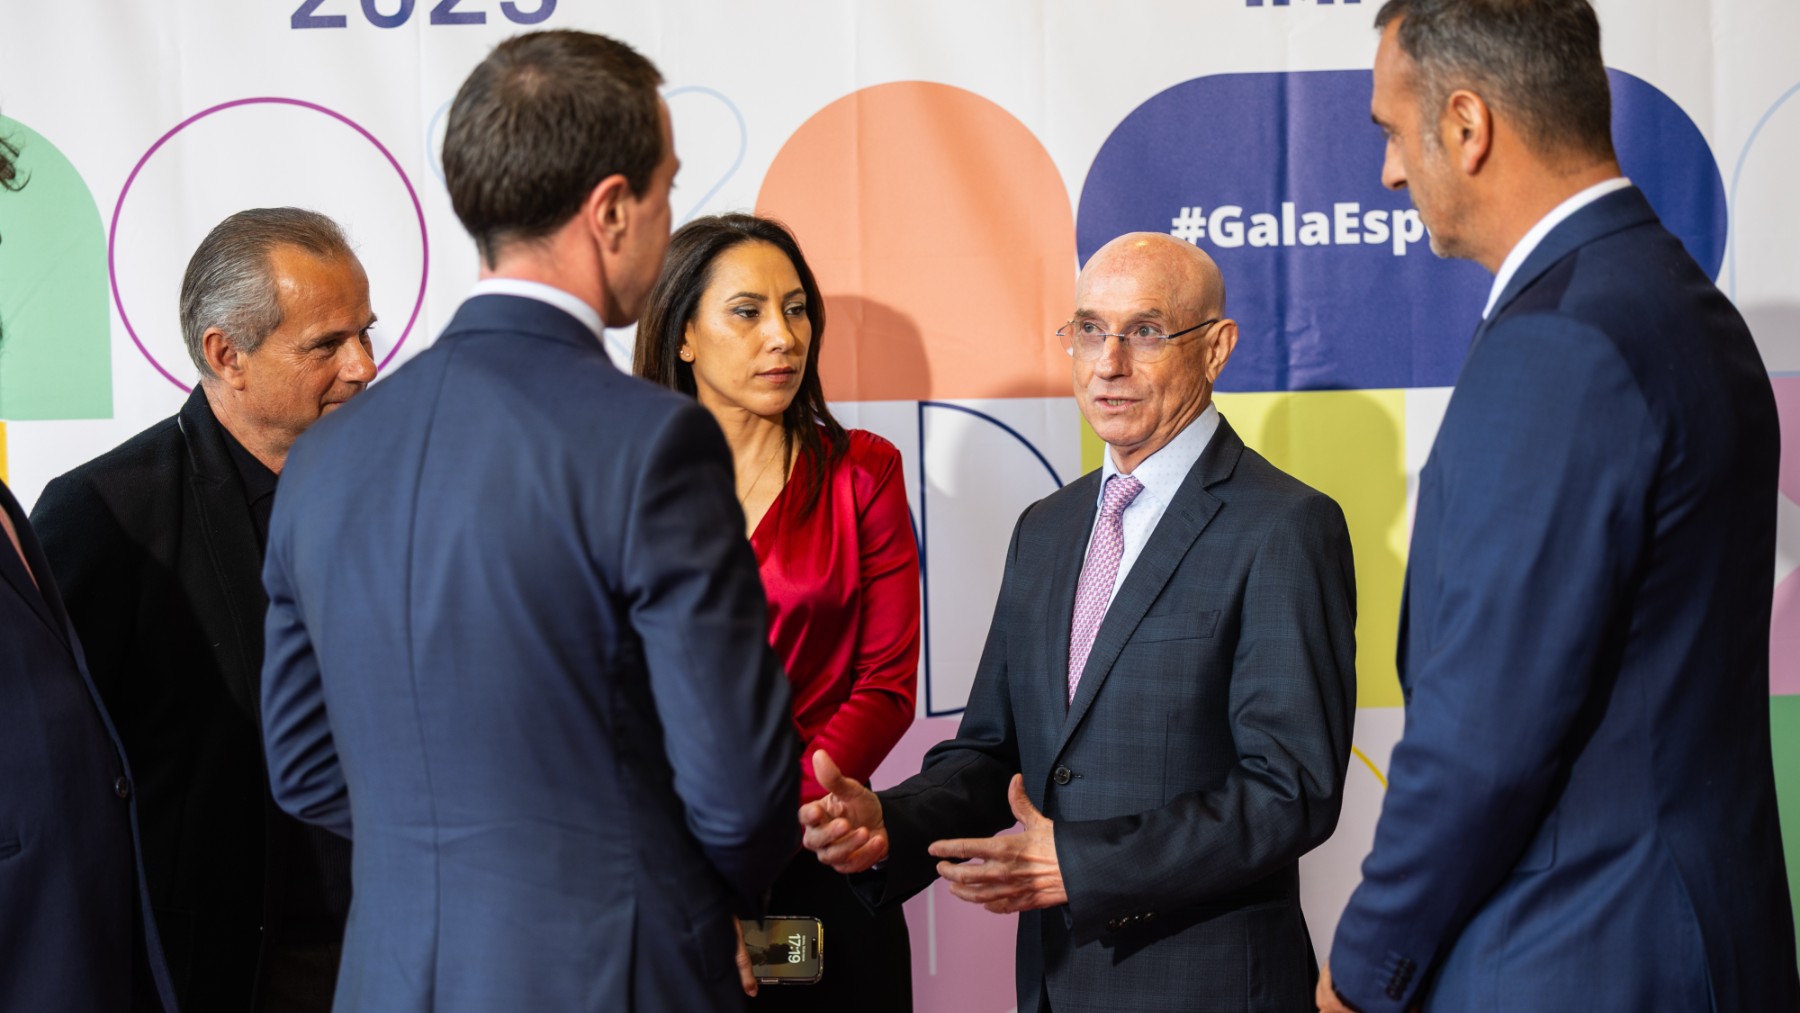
(843, 590)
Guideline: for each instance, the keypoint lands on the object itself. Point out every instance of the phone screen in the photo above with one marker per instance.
(786, 950)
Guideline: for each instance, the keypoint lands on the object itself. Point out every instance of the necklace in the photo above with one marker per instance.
(744, 497)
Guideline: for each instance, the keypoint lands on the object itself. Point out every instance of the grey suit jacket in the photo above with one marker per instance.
(1204, 753)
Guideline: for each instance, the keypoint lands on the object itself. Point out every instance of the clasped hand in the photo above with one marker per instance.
(1005, 873)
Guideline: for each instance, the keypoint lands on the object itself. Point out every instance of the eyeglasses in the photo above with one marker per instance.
(1146, 342)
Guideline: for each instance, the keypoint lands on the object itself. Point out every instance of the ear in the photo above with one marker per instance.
(1224, 342)
(1467, 130)
(686, 352)
(608, 213)
(227, 363)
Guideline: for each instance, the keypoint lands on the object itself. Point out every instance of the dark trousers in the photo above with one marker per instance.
(867, 956)
(301, 978)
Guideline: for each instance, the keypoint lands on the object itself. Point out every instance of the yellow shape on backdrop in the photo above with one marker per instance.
(1091, 447)
(1350, 445)
(3, 471)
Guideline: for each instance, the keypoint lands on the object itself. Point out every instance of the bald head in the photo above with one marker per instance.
(1183, 271)
(1148, 341)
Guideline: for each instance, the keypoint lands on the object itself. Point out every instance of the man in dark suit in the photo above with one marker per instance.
(1581, 814)
(158, 546)
(75, 925)
(516, 639)
(1165, 699)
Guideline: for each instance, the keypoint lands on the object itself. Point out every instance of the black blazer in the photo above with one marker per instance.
(154, 547)
(73, 932)
(1204, 753)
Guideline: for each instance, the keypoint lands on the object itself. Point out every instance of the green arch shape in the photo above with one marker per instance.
(55, 319)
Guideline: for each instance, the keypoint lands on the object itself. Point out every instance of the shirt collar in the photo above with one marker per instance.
(543, 293)
(258, 479)
(1558, 215)
(1163, 472)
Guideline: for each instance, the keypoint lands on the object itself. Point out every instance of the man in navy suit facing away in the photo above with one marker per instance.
(516, 640)
(1581, 813)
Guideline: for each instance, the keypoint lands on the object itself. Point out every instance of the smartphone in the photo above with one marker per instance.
(786, 950)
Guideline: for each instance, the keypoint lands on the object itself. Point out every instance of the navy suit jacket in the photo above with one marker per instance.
(517, 641)
(1204, 752)
(75, 925)
(1581, 812)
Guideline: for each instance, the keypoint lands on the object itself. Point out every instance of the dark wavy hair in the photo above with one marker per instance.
(686, 273)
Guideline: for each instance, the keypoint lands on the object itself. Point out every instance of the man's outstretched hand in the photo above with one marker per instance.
(1016, 872)
(844, 828)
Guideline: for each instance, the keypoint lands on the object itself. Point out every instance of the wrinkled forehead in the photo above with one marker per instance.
(1149, 279)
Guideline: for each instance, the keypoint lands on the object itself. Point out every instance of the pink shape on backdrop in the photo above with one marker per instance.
(1784, 630)
(1784, 638)
(1787, 404)
(974, 949)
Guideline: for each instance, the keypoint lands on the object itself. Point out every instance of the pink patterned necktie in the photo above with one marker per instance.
(1094, 591)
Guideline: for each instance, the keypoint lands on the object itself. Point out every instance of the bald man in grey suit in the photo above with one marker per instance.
(1166, 695)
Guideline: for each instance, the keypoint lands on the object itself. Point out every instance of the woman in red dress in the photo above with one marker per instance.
(736, 320)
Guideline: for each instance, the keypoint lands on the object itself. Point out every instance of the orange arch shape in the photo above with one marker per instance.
(943, 238)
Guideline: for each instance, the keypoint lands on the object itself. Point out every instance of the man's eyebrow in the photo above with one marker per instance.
(1151, 312)
(1132, 319)
(330, 336)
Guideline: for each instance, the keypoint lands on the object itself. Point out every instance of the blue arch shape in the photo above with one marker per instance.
(985, 417)
(921, 525)
(1246, 158)
(1737, 174)
(743, 143)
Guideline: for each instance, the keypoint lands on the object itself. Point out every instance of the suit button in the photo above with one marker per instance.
(1061, 775)
(122, 787)
(1113, 925)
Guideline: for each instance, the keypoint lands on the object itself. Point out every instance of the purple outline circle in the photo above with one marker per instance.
(112, 233)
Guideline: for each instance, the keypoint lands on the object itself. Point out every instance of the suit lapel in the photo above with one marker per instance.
(1188, 514)
(40, 597)
(216, 496)
(1480, 330)
(1077, 521)
(1619, 210)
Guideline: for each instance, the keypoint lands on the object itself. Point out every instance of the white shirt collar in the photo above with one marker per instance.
(543, 293)
(1558, 215)
(1163, 472)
